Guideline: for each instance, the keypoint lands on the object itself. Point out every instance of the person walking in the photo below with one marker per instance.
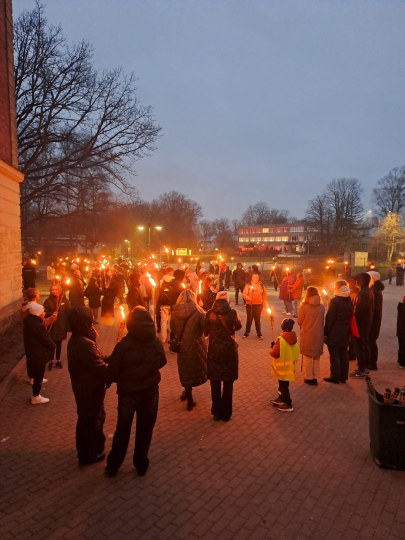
(188, 324)
(390, 275)
(93, 293)
(166, 300)
(311, 320)
(337, 331)
(220, 325)
(377, 287)
(284, 352)
(39, 349)
(255, 297)
(363, 312)
(285, 296)
(227, 278)
(295, 292)
(76, 290)
(109, 291)
(134, 365)
(50, 274)
(239, 280)
(57, 302)
(88, 375)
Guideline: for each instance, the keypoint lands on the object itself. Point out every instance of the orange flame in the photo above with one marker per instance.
(152, 281)
(269, 311)
(324, 292)
(67, 281)
(122, 312)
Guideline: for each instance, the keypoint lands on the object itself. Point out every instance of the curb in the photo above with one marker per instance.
(12, 378)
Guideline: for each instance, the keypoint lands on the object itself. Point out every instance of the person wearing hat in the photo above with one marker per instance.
(39, 349)
(220, 325)
(337, 333)
(285, 352)
(377, 287)
(363, 313)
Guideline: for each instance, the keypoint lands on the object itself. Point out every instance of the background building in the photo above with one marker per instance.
(289, 238)
(10, 177)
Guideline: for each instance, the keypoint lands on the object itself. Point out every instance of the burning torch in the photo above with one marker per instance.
(122, 323)
(271, 322)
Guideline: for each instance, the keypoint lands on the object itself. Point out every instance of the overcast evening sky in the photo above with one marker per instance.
(258, 100)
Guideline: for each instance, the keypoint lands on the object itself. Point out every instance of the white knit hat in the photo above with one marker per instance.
(223, 295)
(36, 309)
(375, 276)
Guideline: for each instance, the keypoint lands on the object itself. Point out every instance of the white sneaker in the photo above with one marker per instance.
(284, 312)
(37, 400)
(289, 314)
(43, 381)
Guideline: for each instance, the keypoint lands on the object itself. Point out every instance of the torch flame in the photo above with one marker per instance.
(153, 283)
(199, 287)
(269, 311)
(87, 268)
(77, 260)
(122, 312)
(67, 281)
(324, 292)
(57, 277)
(183, 285)
(287, 269)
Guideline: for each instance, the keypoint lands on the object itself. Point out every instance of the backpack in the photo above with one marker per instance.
(166, 293)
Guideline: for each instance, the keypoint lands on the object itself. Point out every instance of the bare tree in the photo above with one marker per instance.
(389, 195)
(71, 118)
(224, 233)
(393, 230)
(261, 214)
(206, 230)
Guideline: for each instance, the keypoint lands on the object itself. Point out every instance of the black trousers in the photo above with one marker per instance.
(339, 363)
(37, 373)
(222, 399)
(284, 392)
(401, 351)
(373, 348)
(237, 290)
(158, 318)
(254, 312)
(58, 350)
(361, 348)
(90, 438)
(352, 353)
(145, 403)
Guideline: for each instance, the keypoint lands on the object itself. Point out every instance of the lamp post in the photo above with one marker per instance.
(129, 243)
(149, 227)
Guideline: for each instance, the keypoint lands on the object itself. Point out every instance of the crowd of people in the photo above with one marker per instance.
(190, 310)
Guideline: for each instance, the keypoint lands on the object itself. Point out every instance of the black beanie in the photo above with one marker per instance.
(287, 325)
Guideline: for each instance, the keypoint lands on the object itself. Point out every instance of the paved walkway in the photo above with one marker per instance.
(265, 474)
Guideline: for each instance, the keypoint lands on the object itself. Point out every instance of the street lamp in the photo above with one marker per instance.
(129, 249)
(149, 226)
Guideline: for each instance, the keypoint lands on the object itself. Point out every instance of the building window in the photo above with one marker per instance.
(240, 231)
(278, 238)
(278, 229)
(265, 229)
(284, 238)
(285, 229)
(296, 229)
(271, 230)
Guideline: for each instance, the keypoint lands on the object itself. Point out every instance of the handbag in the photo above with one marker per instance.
(227, 329)
(174, 344)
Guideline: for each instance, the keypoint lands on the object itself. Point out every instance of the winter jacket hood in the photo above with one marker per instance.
(167, 278)
(221, 307)
(289, 337)
(178, 274)
(378, 286)
(80, 321)
(344, 291)
(363, 279)
(184, 311)
(140, 325)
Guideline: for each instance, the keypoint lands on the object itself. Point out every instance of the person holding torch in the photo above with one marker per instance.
(255, 297)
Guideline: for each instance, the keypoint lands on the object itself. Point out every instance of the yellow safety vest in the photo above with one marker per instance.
(283, 368)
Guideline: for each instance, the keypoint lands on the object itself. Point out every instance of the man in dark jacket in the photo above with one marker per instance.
(377, 289)
(29, 275)
(88, 374)
(363, 312)
(76, 290)
(39, 349)
(222, 360)
(401, 333)
(239, 279)
(134, 365)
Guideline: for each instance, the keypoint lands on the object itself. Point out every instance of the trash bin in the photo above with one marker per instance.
(387, 433)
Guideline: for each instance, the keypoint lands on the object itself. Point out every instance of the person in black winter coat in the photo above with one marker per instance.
(88, 374)
(337, 332)
(399, 274)
(363, 312)
(401, 333)
(239, 279)
(377, 289)
(76, 290)
(134, 298)
(93, 293)
(57, 302)
(29, 275)
(39, 349)
(207, 296)
(134, 365)
(222, 360)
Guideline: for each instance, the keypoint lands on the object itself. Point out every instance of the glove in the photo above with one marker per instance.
(272, 344)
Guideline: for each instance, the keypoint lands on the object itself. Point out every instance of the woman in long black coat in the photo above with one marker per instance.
(188, 325)
(337, 332)
(223, 360)
(57, 301)
(93, 293)
(377, 288)
(109, 290)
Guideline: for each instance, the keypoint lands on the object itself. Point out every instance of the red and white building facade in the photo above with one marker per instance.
(289, 238)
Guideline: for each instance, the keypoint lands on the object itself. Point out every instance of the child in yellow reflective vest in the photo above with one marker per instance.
(285, 353)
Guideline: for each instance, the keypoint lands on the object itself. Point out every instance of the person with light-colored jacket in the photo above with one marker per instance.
(311, 320)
